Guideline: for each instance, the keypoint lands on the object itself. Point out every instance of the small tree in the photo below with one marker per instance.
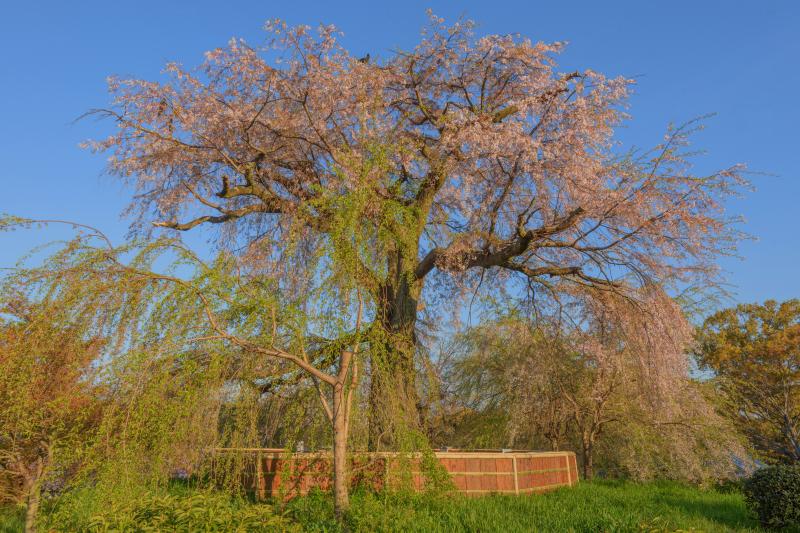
(754, 352)
(49, 401)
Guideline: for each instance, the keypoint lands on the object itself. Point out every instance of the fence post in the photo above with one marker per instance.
(569, 469)
(260, 481)
(516, 480)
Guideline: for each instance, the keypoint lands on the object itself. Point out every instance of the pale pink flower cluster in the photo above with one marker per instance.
(509, 165)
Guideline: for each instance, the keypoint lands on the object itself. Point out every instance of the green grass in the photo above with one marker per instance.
(598, 506)
(12, 519)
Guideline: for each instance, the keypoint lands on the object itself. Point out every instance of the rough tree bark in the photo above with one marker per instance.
(393, 396)
(587, 458)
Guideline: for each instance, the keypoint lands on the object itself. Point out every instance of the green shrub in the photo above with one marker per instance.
(774, 494)
(183, 512)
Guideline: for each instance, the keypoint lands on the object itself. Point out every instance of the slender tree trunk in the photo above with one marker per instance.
(32, 510)
(34, 497)
(393, 396)
(588, 459)
(341, 470)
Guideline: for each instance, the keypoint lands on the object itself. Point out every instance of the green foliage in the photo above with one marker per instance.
(178, 511)
(416, 455)
(172, 386)
(773, 493)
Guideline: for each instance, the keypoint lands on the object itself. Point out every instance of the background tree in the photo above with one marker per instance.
(754, 352)
(585, 387)
(478, 165)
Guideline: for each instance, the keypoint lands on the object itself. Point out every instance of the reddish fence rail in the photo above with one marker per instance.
(276, 472)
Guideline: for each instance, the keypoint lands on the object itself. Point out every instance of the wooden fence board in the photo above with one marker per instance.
(279, 473)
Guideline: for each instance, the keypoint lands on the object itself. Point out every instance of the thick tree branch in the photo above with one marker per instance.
(218, 219)
(499, 256)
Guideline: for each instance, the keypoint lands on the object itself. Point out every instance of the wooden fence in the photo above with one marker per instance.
(278, 473)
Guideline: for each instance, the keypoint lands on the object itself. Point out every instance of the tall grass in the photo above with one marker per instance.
(591, 507)
(12, 519)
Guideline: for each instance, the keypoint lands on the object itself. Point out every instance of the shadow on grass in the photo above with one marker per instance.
(728, 513)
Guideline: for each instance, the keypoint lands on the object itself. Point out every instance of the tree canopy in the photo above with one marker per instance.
(468, 159)
(753, 351)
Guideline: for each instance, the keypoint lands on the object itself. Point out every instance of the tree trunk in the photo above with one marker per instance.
(588, 460)
(32, 510)
(341, 470)
(393, 395)
(34, 498)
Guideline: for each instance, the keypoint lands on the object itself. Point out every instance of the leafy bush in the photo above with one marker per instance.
(774, 494)
(199, 511)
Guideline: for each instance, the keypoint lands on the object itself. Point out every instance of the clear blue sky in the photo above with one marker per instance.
(738, 59)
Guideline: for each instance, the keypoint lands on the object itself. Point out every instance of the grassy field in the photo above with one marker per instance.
(595, 507)
(598, 506)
